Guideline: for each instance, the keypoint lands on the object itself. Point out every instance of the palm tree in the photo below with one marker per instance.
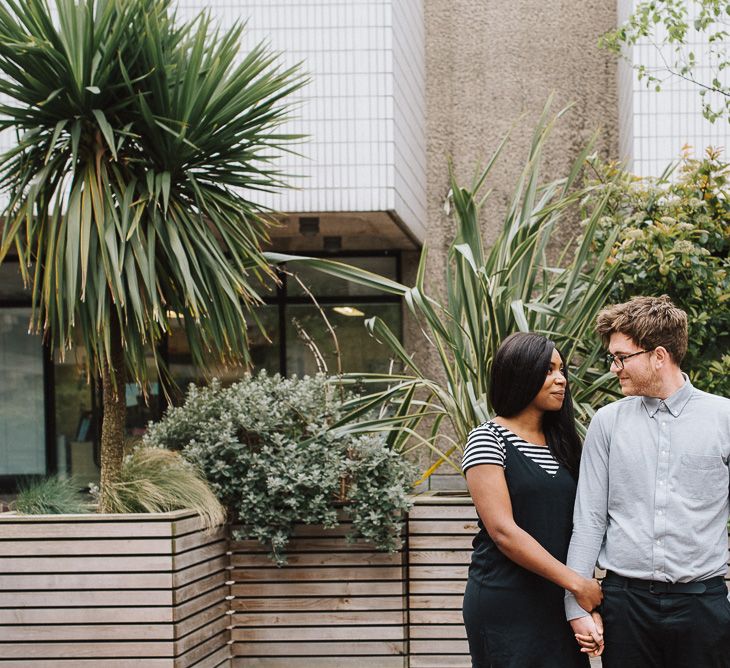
(138, 139)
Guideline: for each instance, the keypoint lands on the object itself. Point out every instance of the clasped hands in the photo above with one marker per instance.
(588, 630)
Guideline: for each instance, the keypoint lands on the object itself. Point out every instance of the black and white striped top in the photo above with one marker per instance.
(485, 446)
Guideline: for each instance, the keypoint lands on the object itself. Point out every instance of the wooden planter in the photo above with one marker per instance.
(334, 605)
(342, 605)
(440, 532)
(113, 590)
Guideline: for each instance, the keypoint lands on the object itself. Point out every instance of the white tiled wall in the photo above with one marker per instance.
(364, 109)
(656, 125)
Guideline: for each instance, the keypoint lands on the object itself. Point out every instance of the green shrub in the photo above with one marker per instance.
(674, 239)
(154, 480)
(265, 446)
(50, 496)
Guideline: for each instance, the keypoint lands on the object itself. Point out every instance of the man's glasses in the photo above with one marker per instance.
(619, 360)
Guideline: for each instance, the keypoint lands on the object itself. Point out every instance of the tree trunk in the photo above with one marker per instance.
(115, 412)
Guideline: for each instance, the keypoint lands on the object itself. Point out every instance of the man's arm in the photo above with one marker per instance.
(590, 516)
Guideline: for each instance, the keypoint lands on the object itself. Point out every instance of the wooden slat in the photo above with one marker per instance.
(85, 564)
(430, 542)
(427, 602)
(356, 559)
(438, 631)
(199, 587)
(215, 658)
(206, 617)
(318, 649)
(200, 570)
(203, 553)
(318, 633)
(322, 662)
(461, 557)
(288, 589)
(294, 574)
(39, 548)
(417, 617)
(439, 647)
(84, 615)
(436, 586)
(52, 650)
(91, 598)
(440, 661)
(423, 512)
(194, 605)
(85, 581)
(97, 632)
(317, 544)
(445, 527)
(375, 604)
(445, 572)
(318, 618)
(59, 662)
(190, 641)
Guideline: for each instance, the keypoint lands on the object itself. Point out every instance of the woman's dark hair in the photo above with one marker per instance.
(518, 373)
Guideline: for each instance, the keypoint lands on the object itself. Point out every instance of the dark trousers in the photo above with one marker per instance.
(667, 630)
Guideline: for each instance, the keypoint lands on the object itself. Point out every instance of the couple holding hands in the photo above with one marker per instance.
(646, 498)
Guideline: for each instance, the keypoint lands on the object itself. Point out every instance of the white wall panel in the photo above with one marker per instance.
(364, 110)
(655, 126)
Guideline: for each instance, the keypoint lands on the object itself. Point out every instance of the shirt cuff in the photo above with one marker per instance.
(572, 609)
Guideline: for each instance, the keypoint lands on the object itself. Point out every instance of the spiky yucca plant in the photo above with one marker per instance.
(136, 137)
(490, 293)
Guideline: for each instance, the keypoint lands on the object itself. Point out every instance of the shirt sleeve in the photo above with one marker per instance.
(590, 516)
(483, 447)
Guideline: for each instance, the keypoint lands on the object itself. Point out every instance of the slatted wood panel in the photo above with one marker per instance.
(334, 604)
(440, 532)
(113, 590)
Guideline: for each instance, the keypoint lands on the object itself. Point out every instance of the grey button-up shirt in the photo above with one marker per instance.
(653, 491)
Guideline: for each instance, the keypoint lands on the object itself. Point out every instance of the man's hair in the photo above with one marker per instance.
(649, 322)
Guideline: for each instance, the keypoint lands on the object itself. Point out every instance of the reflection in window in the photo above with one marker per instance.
(77, 425)
(22, 419)
(358, 350)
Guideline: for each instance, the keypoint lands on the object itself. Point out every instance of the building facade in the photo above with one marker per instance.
(398, 88)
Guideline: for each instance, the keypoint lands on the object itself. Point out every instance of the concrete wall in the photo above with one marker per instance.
(490, 67)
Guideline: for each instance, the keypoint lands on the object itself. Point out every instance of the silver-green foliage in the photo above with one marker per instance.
(50, 496)
(267, 450)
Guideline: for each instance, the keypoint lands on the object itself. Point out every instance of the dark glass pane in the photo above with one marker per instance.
(11, 283)
(22, 418)
(323, 285)
(77, 425)
(264, 354)
(358, 350)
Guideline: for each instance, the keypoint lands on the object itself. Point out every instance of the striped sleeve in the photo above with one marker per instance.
(482, 447)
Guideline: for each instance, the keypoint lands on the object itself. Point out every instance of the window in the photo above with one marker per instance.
(294, 325)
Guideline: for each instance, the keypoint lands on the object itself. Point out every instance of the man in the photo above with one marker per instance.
(653, 501)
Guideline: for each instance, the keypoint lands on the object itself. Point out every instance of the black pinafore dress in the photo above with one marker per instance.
(514, 618)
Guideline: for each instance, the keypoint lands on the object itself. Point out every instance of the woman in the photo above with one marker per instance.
(521, 469)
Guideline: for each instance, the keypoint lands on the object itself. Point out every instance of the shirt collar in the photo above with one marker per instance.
(674, 403)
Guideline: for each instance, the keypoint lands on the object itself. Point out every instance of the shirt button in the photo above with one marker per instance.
(661, 482)
(658, 541)
(658, 512)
